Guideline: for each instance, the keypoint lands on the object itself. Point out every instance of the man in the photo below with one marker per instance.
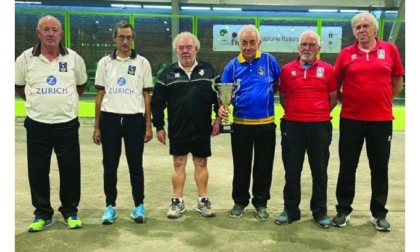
(50, 78)
(124, 81)
(369, 75)
(308, 92)
(254, 136)
(185, 90)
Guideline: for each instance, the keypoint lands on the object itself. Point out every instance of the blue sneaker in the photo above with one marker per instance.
(139, 214)
(109, 215)
(323, 222)
(282, 219)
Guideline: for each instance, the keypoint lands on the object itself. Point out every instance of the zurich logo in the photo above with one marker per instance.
(51, 80)
(121, 81)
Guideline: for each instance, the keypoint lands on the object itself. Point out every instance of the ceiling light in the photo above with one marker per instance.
(226, 9)
(157, 7)
(352, 11)
(322, 10)
(194, 8)
(27, 2)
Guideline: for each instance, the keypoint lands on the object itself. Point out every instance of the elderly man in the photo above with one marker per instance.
(50, 78)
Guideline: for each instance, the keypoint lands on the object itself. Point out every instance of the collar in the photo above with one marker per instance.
(299, 65)
(241, 58)
(133, 54)
(192, 67)
(36, 51)
(378, 41)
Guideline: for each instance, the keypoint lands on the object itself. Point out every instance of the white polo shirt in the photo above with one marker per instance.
(124, 81)
(50, 87)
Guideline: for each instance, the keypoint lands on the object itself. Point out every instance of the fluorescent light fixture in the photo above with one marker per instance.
(226, 9)
(133, 5)
(118, 5)
(27, 2)
(352, 11)
(391, 12)
(194, 8)
(126, 6)
(157, 7)
(322, 10)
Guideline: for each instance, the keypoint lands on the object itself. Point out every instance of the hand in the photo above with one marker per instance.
(216, 126)
(96, 137)
(161, 136)
(149, 135)
(223, 112)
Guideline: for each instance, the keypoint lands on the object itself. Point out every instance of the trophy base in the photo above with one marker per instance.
(225, 128)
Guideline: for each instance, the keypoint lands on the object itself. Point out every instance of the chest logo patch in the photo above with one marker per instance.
(261, 71)
(62, 67)
(320, 72)
(131, 70)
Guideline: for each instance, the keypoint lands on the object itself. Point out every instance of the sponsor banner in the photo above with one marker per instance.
(276, 38)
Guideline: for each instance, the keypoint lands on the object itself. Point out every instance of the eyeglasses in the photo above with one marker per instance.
(311, 45)
(122, 37)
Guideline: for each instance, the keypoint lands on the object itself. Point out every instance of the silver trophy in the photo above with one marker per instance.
(225, 91)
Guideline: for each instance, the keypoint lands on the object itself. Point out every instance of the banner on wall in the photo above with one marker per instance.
(276, 38)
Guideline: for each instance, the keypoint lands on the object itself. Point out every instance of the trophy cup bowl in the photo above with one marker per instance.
(224, 93)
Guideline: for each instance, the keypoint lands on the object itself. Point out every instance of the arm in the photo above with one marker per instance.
(148, 117)
(158, 105)
(282, 97)
(333, 99)
(339, 90)
(20, 90)
(81, 89)
(97, 132)
(396, 86)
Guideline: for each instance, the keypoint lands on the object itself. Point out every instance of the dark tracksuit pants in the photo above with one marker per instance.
(42, 139)
(115, 127)
(298, 138)
(252, 142)
(378, 137)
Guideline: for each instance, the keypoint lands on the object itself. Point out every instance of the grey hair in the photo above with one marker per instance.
(361, 16)
(313, 34)
(249, 27)
(41, 20)
(120, 25)
(185, 34)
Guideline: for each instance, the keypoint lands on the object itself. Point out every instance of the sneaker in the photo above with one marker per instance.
(109, 215)
(282, 219)
(262, 214)
(204, 208)
(73, 222)
(237, 211)
(340, 220)
(176, 209)
(381, 223)
(139, 214)
(39, 225)
(323, 222)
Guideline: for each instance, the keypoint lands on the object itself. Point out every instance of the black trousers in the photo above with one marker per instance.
(131, 128)
(42, 139)
(378, 137)
(298, 138)
(252, 143)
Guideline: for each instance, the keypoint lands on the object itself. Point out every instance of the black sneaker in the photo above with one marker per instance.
(262, 214)
(237, 211)
(340, 220)
(381, 223)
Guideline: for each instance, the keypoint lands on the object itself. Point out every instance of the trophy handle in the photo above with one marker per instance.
(214, 87)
